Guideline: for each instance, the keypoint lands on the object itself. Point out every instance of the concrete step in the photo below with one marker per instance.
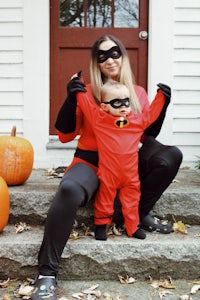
(114, 290)
(159, 255)
(176, 255)
(30, 202)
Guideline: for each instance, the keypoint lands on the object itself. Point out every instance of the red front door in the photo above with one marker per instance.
(76, 25)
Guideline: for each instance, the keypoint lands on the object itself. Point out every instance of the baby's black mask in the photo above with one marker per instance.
(113, 52)
(117, 103)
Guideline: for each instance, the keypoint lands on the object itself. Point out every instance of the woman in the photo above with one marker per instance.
(158, 164)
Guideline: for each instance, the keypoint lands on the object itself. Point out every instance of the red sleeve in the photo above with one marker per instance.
(156, 106)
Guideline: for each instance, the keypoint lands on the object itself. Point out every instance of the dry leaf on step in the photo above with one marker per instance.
(164, 293)
(4, 283)
(167, 284)
(78, 295)
(6, 297)
(185, 297)
(92, 291)
(126, 280)
(194, 289)
(180, 227)
(25, 290)
(107, 296)
(21, 226)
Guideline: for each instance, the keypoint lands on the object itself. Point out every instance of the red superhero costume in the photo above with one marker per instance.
(87, 139)
(118, 157)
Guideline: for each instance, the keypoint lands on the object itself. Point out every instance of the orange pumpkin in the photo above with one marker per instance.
(4, 204)
(16, 158)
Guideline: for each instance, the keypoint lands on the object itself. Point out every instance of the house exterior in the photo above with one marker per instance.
(173, 58)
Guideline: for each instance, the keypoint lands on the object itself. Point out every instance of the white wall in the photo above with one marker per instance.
(36, 77)
(174, 59)
(11, 66)
(160, 68)
(186, 72)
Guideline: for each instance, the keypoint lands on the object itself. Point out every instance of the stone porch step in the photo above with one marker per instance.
(30, 202)
(176, 255)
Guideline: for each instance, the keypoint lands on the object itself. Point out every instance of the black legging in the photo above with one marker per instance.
(158, 165)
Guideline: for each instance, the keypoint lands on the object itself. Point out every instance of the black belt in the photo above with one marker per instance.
(88, 155)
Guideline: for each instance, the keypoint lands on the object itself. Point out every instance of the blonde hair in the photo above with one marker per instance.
(112, 86)
(125, 77)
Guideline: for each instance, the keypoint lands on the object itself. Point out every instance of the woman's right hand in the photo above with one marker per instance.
(74, 86)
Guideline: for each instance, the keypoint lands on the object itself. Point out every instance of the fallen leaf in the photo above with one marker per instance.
(155, 284)
(167, 284)
(21, 226)
(126, 280)
(186, 168)
(194, 289)
(25, 290)
(92, 291)
(74, 235)
(117, 231)
(93, 287)
(57, 173)
(185, 297)
(78, 295)
(114, 230)
(6, 297)
(164, 293)
(107, 296)
(175, 181)
(197, 235)
(180, 227)
(5, 283)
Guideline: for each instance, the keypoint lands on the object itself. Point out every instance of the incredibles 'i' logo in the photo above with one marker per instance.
(121, 122)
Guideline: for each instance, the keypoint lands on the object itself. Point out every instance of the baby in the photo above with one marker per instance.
(118, 132)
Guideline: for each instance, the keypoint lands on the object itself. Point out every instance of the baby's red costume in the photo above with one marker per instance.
(118, 157)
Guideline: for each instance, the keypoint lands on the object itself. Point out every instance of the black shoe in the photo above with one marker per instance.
(44, 289)
(150, 223)
(100, 232)
(139, 234)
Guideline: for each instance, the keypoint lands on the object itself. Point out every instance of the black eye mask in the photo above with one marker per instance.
(117, 103)
(113, 53)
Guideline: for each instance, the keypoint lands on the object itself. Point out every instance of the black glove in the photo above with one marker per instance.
(74, 86)
(155, 127)
(66, 119)
(166, 90)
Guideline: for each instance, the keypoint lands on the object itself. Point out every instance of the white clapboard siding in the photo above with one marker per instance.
(186, 55)
(6, 127)
(186, 124)
(11, 98)
(186, 83)
(186, 111)
(11, 65)
(15, 112)
(184, 97)
(11, 57)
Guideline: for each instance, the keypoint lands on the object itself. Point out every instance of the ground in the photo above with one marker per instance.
(115, 290)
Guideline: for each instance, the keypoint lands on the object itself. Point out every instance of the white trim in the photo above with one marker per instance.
(160, 58)
(36, 76)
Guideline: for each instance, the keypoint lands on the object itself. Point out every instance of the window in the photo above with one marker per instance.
(99, 13)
